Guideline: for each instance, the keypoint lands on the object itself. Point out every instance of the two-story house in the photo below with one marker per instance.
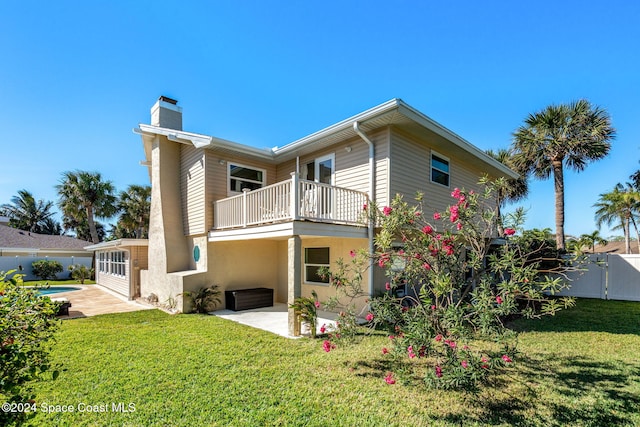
(240, 217)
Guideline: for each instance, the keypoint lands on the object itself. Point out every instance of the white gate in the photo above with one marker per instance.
(607, 276)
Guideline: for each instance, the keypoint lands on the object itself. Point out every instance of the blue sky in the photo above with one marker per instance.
(77, 76)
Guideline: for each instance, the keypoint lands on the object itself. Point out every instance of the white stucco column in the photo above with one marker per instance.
(294, 277)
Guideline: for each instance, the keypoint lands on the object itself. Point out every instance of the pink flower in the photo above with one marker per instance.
(387, 286)
(455, 193)
(437, 216)
(506, 358)
(323, 329)
(427, 229)
(392, 337)
(499, 299)
(389, 379)
(448, 250)
(459, 226)
(509, 231)
(464, 364)
(453, 217)
(433, 307)
(327, 346)
(317, 304)
(410, 351)
(364, 207)
(426, 266)
(369, 317)
(438, 371)
(385, 350)
(352, 253)
(387, 210)
(438, 337)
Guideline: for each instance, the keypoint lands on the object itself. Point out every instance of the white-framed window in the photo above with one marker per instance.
(117, 263)
(241, 177)
(439, 169)
(314, 258)
(102, 262)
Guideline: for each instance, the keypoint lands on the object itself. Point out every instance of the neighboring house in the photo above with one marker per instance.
(240, 217)
(19, 249)
(118, 264)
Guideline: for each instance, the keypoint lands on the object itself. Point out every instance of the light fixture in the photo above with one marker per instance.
(348, 149)
(222, 162)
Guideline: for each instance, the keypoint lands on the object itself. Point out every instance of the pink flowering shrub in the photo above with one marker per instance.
(459, 285)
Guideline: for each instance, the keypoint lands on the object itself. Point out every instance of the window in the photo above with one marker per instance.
(102, 262)
(439, 169)
(241, 177)
(117, 264)
(314, 258)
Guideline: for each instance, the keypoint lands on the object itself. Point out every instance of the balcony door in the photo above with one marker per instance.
(322, 171)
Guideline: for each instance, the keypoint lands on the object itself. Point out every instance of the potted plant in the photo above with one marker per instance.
(306, 308)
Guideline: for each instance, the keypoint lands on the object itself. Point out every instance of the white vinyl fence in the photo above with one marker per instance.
(607, 276)
(24, 263)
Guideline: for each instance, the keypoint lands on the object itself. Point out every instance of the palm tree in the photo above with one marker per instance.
(135, 207)
(591, 240)
(84, 196)
(562, 136)
(619, 207)
(25, 213)
(512, 189)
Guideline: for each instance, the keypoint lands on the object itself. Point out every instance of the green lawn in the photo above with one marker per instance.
(580, 368)
(58, 282)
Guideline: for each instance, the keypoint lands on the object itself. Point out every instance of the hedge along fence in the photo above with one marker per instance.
(15, 262)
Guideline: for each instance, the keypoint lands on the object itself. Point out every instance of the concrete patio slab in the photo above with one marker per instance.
(272, 319)
(92, 300)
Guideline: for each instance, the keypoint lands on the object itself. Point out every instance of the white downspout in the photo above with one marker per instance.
(372, 197)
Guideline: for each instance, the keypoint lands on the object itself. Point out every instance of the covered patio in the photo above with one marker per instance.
(273, 319)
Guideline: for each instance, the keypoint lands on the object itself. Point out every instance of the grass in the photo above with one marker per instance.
(580, 368)
(58, 282)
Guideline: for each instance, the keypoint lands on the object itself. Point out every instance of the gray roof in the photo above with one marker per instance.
(13, 238)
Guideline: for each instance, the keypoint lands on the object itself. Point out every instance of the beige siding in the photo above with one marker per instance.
(192, 189)
(217, 178)
(351, 167)
(411, 172)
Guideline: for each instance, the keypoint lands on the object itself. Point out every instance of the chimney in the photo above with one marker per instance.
(166, 114)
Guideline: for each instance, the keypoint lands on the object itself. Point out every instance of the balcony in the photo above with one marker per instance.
(292, 200)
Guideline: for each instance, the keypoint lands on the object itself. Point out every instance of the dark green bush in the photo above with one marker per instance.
(46, 269)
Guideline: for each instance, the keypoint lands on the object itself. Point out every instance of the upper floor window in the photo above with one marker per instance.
(439, 169)
(241, 177)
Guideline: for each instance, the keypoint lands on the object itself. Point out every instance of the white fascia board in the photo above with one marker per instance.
(202, 141)
(117, 243)
(437, 128)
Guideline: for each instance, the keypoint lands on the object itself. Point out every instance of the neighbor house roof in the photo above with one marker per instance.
(12, 238)
(394, 112)
(615, 248)
(119, 243)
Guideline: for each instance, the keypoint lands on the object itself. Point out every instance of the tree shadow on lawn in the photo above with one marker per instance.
(551, 390)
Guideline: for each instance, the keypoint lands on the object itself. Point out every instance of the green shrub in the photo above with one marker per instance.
(27, 324)
(46, 269)
(81, 272)
(205, 299)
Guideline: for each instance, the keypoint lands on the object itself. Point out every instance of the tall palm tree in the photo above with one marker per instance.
(135, 207)
(84, 195)
(27, 213)
(592, 239)
(512, 189)
(619, 207)
(562, 136)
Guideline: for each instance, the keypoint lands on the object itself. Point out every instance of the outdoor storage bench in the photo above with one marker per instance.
(63, 306)
(245, 299)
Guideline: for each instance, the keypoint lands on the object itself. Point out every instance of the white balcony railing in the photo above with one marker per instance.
(290, 200)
